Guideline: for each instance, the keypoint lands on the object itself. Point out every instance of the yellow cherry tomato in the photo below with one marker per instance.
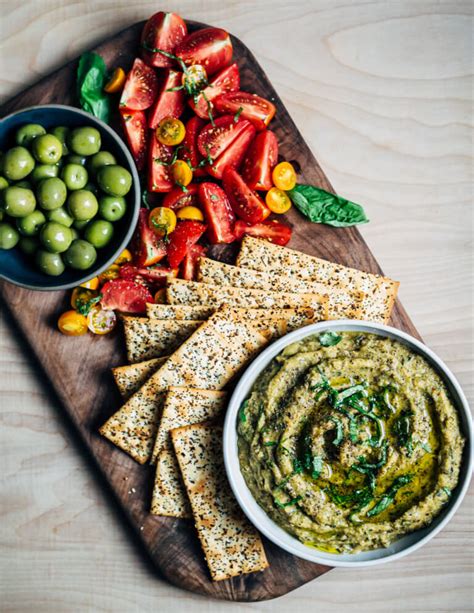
(190, 212)
(80, 297)
(124, 258)
(162, 220)
(277, 200)
(182, 173)
(72, 323)
(91, 284)
(116, 81)
(113, 272)
(284, 176)
(194, 79)
(170, 131)
(160, 296)
(101, 321)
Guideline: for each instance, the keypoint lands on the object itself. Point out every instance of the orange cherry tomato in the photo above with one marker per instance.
(160, 296)
(277, 200)
(170, 131)
(190, 212)
(182, 173)
(113, 272)
(124, 258)
(101, 321)
(72, 323)
(91, 284)
(116, 81)
(162, 220)
(80, 297)
(284, 176)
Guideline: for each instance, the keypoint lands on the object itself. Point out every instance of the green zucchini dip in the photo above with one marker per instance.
(348, 441)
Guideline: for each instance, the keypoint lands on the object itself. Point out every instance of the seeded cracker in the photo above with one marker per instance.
(169, 496)
(130, 378)
(177, 311)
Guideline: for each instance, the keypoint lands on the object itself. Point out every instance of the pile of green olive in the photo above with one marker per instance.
(59, 196)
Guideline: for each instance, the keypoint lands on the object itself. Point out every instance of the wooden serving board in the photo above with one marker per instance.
(78, 369)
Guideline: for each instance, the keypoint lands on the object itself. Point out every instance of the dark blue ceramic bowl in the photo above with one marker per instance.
(18, 268)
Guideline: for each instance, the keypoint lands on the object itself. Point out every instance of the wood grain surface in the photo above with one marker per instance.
(62, 547)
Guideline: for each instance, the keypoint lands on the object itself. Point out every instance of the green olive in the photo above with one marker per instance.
(49, 263)
(25, 184)
(27, 133)
(3, 183)
(112, 208)
(44, 171)
(103, 158)
(114, 180)
(17, 163)
(47, 149)
(61, 216)
(9, 236)
(55, 237)
(99, 233)
(81, 255)
(29, 244)
(75, 159)
(85, 141)
(52, 193)
(31, 224)
(82, 205)
(74, 233)
(18, 201)
(74, 176)
(80, 225)
(62, 134)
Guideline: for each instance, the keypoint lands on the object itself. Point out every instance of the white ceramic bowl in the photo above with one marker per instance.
(269, 528)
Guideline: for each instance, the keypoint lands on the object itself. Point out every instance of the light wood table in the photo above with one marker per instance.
(381, 92)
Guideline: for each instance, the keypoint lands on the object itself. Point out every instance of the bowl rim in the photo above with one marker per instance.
(136, 204)
(275, 533)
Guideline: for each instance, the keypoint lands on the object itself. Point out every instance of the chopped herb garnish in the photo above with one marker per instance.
(290, 503)
(339, 431)
(317, 466)
(270, 443)
(237, 115)
(389, 496)
(242, 414)
(83, 307)
(329, 339)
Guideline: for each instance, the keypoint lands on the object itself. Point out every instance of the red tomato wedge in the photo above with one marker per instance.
(190, 149)
(168, 103)
(135, 128)
(219, 215)
(213, 139)
(271, 230)
(245, 203)
(260, 159)
(162, 31)
(153, 274)
(148, 248)
(209, 47)
(254, 108)
(227, 80)
(126, 296)
(191, 260)
(177, 199)
(186, 234)
(159, 175)
(234, 154)
(140, 88)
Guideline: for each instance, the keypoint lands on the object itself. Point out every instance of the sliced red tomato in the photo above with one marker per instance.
(140, 88)
(135, 128)
(191, 260)
(227, 80)
(148, 247)
(125, 296)
(245, 203)
(219, 215)
(234, 154)
(162, 31)
(167, 103)
(260, 160)
(213, 139)
(186, 234)
(152, 274)
(190, 149)
(252, 107)
(271, 230)
(209, 47)
(177, 199)
(159, 173)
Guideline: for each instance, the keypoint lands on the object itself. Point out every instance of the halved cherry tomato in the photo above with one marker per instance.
(162, 221)
(209, 47)
(167, 103)
(81, 296)
(182, 173)
(125, 296)
(219, 214)
(159, 173)
(227, 80)
(284, 176)
(271, 230)
(260, 159)
(160, 296)
(91, 284)
(153, 274)
(252, 107)
(112, 272)
(213, 139)
(194, 79)
(190, 212)
(140, 88)
(277, 201)
(177, 199)
(124, 258)
(162, 31)
(72, 323)
(191, 260)
(101, 321)
(170, 131)
(245, 203)
(186, 234)
(148, 247)
(135, 128)
(233, 155)
(116, 81)
(190, 149)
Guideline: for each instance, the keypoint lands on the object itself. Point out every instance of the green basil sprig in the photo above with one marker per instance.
(91, 78)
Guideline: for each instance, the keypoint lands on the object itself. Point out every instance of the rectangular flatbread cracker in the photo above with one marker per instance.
(169, 496)
(380, 292)
(231, 545)
(131, 377)
(342, 303)
(152, 338)
(178, 311)
(209, 359)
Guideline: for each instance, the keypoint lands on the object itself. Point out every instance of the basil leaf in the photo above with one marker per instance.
(91, 76)
(329, 339)
(389, 495)
(317, 466)
(320, 206)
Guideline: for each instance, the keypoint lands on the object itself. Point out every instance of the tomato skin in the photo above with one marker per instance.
(227, 80)
(91, 284)
(72, 323)
(191, 260)
(218, 212)
(156, 275)
(191, 152)
(271, 230)
(135, 128)
(159, 175)
(284, 176)
(125, 296)
(278, 201)
(209, 47)
(177, 199)
(162, 221)
(234, 154)
(141, 87)
(254, 108)
(116, 81)
(181, 172)
(260, 159)
(162, 31)
(214, 139)
(167, 104)
(190, 212)
(148, 247)
(170, 131)
(186, 234)
(245, 203)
